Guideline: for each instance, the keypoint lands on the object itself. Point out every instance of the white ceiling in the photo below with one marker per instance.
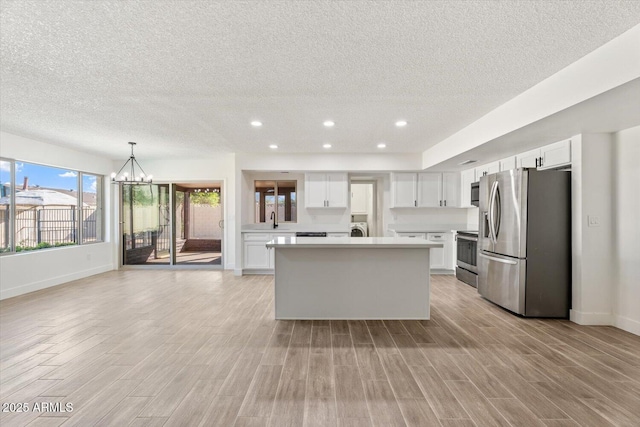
(185, 78)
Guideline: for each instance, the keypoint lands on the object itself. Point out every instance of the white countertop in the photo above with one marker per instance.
(292, 228)
(352, 242)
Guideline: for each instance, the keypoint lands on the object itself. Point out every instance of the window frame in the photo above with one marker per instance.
(276, 195)
(79, 240)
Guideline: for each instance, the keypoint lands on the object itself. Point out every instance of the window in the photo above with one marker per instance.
(5, 205)
(91, 208)
(276, 196)
(43, 207)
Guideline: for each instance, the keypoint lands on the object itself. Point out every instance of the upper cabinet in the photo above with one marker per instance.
(487, 169)
(404, 190)
(508, 163)
(326, 190)
(547, 157)
(360, 199)
(424, 190)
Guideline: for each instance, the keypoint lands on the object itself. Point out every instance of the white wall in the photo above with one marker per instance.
(26, 272)
(592, 246)
(626, 241)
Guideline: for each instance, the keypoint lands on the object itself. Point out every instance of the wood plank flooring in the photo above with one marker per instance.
(201, 348)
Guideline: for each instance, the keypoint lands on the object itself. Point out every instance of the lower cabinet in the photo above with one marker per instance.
(256, 255)
(439, 258)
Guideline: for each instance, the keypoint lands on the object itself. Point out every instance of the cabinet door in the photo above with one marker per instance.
(557, 154)
(508, 163)
(436, 258)
(337, 190)
(430, 190)
(256, 255)
(403, 190)
(528, 159)
(466, 179)
(359, 199)
(450, 189)
(487, 169)
(315, 190)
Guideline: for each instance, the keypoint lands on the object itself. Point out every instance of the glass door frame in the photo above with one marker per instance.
(173, 264)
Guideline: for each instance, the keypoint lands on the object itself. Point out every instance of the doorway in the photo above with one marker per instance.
(199, 224)
(176, 224)
(364, 207)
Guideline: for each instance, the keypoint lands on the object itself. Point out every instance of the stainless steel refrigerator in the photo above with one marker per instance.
(524, 242)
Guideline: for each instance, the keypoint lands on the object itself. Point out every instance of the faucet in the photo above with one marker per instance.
(273, 217)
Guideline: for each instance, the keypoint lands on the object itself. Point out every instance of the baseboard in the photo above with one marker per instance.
(627, 324)
(237, 272)
(589, 318)
(53, 281)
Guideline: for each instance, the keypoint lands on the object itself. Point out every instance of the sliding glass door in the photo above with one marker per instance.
(146, 224)
(172, 224)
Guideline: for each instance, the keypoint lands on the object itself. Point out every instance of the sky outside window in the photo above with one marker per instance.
(46, 177)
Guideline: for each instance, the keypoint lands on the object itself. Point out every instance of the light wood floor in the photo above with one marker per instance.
(183, 348)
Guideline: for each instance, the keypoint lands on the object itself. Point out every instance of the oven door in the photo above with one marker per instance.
(467, 250)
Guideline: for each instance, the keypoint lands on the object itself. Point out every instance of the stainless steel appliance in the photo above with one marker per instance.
(475, 194)
(311, 234)
(524, 244)
(467, 257)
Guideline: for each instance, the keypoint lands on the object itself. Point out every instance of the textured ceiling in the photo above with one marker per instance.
(185, 78)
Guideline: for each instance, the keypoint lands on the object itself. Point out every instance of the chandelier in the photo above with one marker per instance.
(131, 172)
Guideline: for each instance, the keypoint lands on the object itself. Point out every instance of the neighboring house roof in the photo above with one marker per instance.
(42, 197)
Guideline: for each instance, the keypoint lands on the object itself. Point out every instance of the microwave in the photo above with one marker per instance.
(475, 194)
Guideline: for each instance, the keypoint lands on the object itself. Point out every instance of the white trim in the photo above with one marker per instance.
(53, 281)
(586, 318)
(627, 324)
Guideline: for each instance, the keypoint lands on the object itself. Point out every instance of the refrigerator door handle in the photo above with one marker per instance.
(502, 260)
(492, 220)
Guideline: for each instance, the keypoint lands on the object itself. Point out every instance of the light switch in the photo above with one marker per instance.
(593, 221)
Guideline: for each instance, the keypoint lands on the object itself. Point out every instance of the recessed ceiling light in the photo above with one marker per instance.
(273, 146)
(382, 145)
(328, 123)
(326, 145)
(256, 123)
(401, 123)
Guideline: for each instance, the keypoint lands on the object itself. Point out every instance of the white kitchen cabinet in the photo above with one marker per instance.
(467, 178)
(487, 169)
(412, 235)
(326, 190)
(451, 189)
(556, 154)
(256, 256)
(359, 199)
(547, 157)
(404, 188)
(439, 258)
(429, 190)
(255, 253)
(529, 159)
(508, 163)
(424, 190)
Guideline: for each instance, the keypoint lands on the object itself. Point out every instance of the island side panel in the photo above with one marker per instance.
(352, 283)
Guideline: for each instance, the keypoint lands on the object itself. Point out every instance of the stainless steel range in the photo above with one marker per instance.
(467, 250)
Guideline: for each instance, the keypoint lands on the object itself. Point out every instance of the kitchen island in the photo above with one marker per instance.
(351, 277)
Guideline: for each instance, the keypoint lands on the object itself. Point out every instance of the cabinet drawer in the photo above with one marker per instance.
(436, 237)
(249, 237)
(413, 235)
